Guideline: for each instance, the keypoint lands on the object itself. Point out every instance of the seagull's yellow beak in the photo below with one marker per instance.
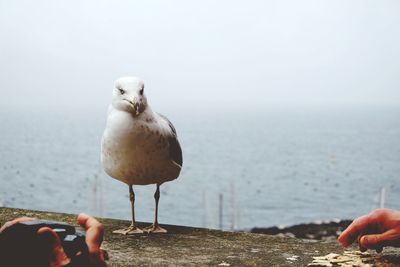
(136, 106)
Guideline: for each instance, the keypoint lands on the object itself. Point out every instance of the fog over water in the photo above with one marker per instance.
(193, 53)
(290, 109)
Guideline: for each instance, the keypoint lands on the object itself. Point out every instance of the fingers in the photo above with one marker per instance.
(354, 230)
(15, 221)
(57, 256)
(94, 234)
(48, 233)
(378, 241)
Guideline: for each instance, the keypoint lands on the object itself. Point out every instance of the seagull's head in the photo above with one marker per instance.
(128, 95)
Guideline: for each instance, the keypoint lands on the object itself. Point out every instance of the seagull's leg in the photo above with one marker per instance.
(155, 227)
(132, 229)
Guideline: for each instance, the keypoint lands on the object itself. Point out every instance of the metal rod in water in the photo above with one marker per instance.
(233, 208)
(220, 211)
(204, 209)
(97, 201)
(382, 198)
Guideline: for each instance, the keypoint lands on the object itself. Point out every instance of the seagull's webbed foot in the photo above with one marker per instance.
(131, 230)
(155, 228)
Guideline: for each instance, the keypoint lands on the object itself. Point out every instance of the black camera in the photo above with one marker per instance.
(20, 245)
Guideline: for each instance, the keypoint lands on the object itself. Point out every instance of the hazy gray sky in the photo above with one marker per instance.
(192, 53)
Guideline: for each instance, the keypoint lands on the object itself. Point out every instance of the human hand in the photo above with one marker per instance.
(52, 247)
(376, 230)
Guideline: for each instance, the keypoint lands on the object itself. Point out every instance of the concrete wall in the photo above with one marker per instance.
(186, 246)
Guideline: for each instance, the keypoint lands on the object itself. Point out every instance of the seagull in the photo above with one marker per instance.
(139, 146)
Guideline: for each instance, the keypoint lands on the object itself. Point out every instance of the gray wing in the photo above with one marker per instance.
(175, 151)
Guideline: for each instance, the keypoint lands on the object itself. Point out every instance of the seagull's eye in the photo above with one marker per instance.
(141, 91)
(122, 91)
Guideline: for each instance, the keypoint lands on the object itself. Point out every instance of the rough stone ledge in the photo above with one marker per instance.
(187, 246)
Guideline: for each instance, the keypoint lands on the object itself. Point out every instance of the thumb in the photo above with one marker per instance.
(377, 241)
(94, 231)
